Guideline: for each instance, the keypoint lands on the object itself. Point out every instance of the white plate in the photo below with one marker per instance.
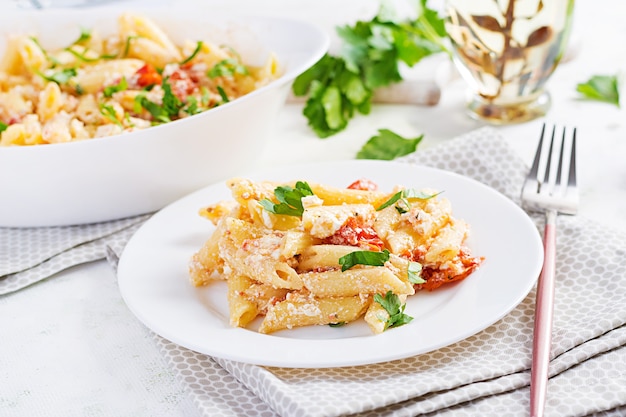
(154, 281)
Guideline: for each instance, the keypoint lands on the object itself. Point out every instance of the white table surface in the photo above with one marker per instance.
(70, 347)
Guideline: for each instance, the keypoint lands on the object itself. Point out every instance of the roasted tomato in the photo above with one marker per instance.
(352, 233)
(148, 75)
(363, 184)
(435, 278)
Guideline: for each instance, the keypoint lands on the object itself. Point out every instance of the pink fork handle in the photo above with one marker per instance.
(544, 308)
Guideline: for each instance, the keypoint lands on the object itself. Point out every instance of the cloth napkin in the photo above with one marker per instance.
(486, 374)
(30, 255)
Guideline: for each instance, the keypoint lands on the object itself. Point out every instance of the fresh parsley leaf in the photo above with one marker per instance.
(129, 39)
(192, 106)
(335, 94)
(222, 94)
(122, 85)
(165, 112)
(407, 194)
(85, 35)
(157, 112)
(601, 88)
(193, 54)
(227, 68)
(290, 199)
(109, 112)
(3, 126)
(391, 303)
(60, 77)
(171, 103)
(388, 145)
(51, 59)
(413, 271)
(83, 57)
(363, 257)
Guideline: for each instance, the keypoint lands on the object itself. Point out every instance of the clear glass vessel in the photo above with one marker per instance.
(506, 50)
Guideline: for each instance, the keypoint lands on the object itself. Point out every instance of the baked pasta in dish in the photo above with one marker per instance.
(302, 253)
(102, 86)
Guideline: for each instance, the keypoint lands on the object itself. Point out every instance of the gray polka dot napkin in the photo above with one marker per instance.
(484, 375)
(30, 255)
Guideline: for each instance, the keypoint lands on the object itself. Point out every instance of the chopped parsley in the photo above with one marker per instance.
(59, 77)
(363, 257)
(109, 112)
(289, 199)
(193, 54)
(3, 126)
(392, 304)
(161, 113)
(227, 68)
(122, 85)
(223, 94)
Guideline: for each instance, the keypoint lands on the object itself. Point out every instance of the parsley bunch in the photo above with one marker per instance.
(339, 86)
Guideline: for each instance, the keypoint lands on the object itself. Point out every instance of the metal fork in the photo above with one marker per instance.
(550, 187)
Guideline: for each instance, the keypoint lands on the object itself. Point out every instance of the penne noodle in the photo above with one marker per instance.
(358, 280)
(241, 310)
(308, 311)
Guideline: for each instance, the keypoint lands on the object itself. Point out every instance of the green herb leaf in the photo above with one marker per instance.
(51, 59)
(407, 194)
(3, 126)
(363, 257)
(193, 54)
(85, 35)
(413, 271)
(227, 68)
(601, 88)
(290, 199)
(171, 103)
(59, 77)
(388, 145)
(222, 94)
(122, 85)
(129, 39)
(109, 112)
(157, 112)
(391, 303)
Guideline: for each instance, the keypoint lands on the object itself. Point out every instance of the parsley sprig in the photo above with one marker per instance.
(289, 199)
(339, 86)
(394, 307)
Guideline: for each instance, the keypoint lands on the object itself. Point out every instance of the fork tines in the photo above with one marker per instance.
(551, 182)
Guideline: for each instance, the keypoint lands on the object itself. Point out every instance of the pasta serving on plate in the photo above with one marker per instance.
(102, 86)
(300, 253)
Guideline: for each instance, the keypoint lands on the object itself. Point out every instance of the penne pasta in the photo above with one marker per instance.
(308, 311)
(301, 254)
